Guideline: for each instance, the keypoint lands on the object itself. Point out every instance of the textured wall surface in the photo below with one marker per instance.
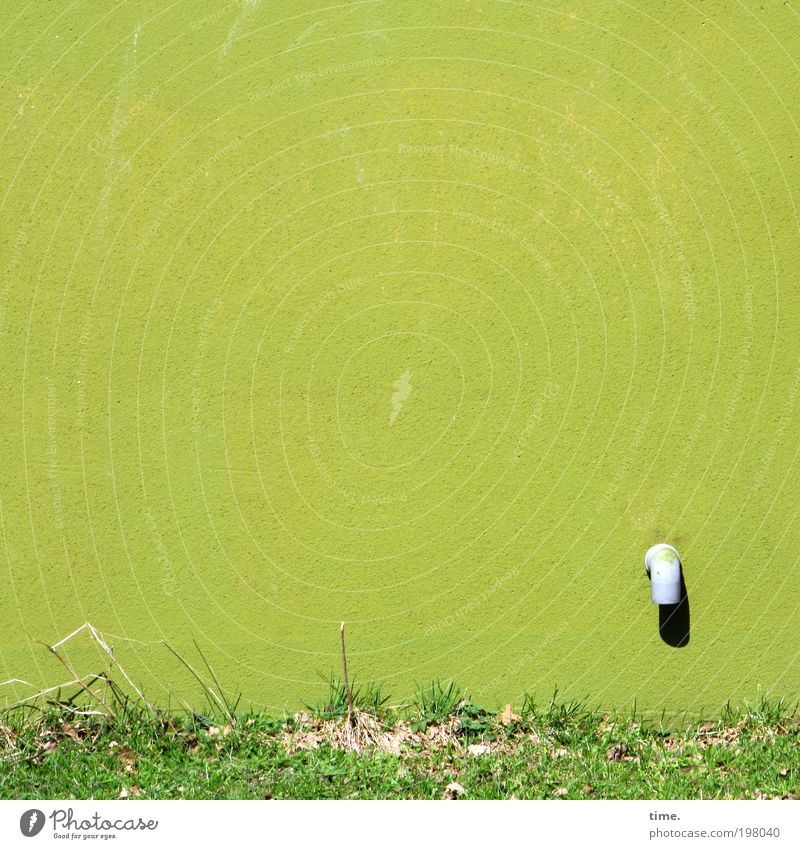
(430, 317)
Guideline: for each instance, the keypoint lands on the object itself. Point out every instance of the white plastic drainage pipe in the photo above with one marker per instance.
(663, 564)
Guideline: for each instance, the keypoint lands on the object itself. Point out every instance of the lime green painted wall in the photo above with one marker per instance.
(426, 317)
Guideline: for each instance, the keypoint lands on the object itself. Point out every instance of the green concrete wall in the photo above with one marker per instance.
(430, 317)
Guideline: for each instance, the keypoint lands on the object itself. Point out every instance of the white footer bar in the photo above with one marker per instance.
(384, 825)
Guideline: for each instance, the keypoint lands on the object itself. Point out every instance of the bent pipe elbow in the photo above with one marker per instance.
(663, 565)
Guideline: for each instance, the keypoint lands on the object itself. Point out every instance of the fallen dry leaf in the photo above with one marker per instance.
(508, 716)
(127, 758)
(559, 792)
(454, 790)
(126, 754)
(617, 753)
(478, 749)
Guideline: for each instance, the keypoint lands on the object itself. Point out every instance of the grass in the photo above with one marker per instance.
(441, 745)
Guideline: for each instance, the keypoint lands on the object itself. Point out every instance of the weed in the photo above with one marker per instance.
(435, 703)
(335, 705)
